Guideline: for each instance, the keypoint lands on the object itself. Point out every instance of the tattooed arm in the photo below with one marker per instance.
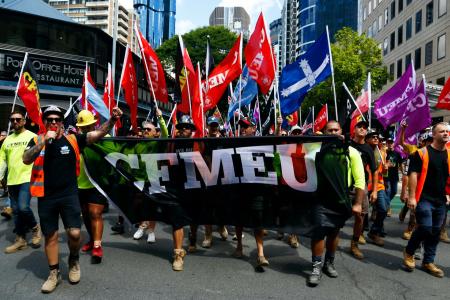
(106, 127)
(32, 153)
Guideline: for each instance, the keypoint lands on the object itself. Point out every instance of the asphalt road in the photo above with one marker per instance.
(137, 270)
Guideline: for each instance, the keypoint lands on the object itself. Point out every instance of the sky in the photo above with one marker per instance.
(192, 14)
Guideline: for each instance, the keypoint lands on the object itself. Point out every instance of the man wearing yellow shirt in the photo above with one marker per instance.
(19, 176)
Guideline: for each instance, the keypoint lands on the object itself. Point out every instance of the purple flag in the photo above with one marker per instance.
(390, 107)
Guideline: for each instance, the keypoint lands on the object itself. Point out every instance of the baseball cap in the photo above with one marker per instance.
(295, 128)
(53, 110)
(246, 122)
(211, 120)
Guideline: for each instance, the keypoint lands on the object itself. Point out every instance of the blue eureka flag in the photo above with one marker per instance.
(298, 78)
(249, 89)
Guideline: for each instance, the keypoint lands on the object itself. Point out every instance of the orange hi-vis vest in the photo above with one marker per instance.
(423, 153)
(37, 172)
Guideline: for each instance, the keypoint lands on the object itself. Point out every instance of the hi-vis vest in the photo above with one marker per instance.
(37, 172)
(423, 153)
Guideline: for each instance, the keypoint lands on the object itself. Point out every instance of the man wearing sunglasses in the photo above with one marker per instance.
(19, 183)
(58, 157)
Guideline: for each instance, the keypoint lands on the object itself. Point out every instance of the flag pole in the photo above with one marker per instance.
(121, 75)
(369, 85)
(240, 98)
(300, 115)
(201, 98)
(313, 117)
(85, 87)
(326, 108)
(259, 112)
(17, 90)
(171, 115)
(180, 40)
(109, 87)
(353, 99)
(332, 75)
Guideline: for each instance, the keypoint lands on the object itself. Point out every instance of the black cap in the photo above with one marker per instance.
(53, 110)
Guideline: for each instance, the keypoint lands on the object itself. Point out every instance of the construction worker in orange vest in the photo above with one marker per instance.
(428, 181)
(58, 156)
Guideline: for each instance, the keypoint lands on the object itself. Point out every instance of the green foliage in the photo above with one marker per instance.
(353, 57)
(221, 41)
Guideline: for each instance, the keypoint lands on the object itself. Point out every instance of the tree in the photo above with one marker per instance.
(353, 57)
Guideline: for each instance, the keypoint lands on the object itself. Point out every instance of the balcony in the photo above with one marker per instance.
(123, 23)
(97, 13)
(98, 4)
(97, 22)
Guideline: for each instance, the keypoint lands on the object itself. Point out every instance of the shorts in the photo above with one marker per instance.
(49, 210)
(91, 196)
(326, 222)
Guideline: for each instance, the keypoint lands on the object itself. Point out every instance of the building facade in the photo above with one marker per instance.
(412, 32)
(100, 14)
(315, 15)
(157, 19)
(236, 19)
(276, 31)
(289, 18)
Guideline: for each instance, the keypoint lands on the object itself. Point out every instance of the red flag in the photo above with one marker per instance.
(222, 75)
(363, 100)
(259, 57)
(185, 73)
(292, 119)
(153, 69)
(29, 93)
(129, 86)
(444, 97)
(322, 118)
(108, 95)
(198, 116)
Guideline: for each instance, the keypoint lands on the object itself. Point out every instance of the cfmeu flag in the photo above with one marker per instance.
(153, 69)
(28, 91)
(298, 78)
(222, 75)
(129, 86)
(444, 97)
(92, 97)
(259, 57)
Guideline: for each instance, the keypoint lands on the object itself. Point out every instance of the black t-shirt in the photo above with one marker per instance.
(434, 187)
(367, 156)
(395, 160)
(60, 178)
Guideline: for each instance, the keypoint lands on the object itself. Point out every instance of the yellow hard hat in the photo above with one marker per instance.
(85, 118)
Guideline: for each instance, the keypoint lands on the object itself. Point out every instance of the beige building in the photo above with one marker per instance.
(412, 31)
(100, 14)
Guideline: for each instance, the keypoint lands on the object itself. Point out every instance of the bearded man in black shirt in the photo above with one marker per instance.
(428, 178)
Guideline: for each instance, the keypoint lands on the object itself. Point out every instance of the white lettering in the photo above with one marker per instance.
(154, 173)
(251, 163)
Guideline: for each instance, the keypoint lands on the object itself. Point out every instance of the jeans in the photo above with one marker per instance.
(382, 207)
(429, 217)
(20, 203)
(391, 189)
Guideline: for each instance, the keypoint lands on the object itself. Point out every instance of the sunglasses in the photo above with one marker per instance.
(51, 120)
(362, 126)
(15, 120)
(147, 129)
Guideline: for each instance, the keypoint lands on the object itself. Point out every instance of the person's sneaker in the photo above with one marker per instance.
(408, 261)
(238, 253)
(207, 242)
(52, 282)
(362, 240)
(262, 261)
(293, 241)
(19, 244)
(433, 270)
(376, 239)
(443, 236)
(223, 232)
(118, 228)
(354, 250)
(329, 269)
(407, 234)
(139, 233)
(151, 237)
(74, 271)
(389, 213)
(316, 274)
(7, 213)
(88, 246)
(97, 255)
(402, 213)
(36, 236)
(178, 255)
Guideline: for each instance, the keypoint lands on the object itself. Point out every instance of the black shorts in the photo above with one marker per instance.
(49, 210)
(91, 196)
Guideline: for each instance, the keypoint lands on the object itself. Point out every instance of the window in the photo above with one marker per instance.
(400, 35)
(374, 28)
(407, 60)
(440, 81)
(380, 22)
(408, 28)
(370, 7)
(369, 31)
(418, 58)
(399, 68)
(385, 46)
(391, 72)
(400, 6)
(374, 4)
(429, 13)
(442, 9)
(418, 21)
(441, 47)
(386, 16)
(393, 9)
(365, 13)
(429, 53)
(393, 41)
